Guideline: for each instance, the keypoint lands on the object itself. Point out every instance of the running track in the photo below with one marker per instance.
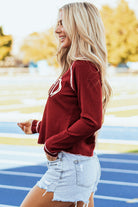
(21, 167)
(107, 132)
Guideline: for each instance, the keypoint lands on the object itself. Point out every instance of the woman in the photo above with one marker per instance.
(74, 112)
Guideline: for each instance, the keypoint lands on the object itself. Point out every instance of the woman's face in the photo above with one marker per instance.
(63, 37)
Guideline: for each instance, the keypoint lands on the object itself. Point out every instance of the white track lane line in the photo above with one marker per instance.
(8, 172)
(111, 198)
(95, 196)
(20, 173)
(118, 183)
(12, 187)
(18, 162)
(119, 170)
(118, 160)
(30, 154)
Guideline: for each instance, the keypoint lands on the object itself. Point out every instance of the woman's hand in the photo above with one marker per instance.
(26, 126)
(50, 158)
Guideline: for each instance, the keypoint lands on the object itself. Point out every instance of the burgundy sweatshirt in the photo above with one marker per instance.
(73, 111)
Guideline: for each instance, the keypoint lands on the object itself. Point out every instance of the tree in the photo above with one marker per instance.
(1, 31)
(121, 27)
(40, 46)
(5, 44)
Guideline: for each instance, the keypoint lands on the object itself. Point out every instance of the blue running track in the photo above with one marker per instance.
(22, 166)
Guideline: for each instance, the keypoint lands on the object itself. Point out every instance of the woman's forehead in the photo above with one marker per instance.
(60, 15)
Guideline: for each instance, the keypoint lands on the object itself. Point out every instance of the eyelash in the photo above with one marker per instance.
(59, 23)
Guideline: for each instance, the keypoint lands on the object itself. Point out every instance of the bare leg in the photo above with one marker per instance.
(81, 204)
(38, 198)
(91, 202)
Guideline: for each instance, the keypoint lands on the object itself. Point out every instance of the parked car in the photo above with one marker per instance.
(122, 67)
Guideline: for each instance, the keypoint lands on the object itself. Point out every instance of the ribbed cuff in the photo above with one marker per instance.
(55, 154)
(34, 127)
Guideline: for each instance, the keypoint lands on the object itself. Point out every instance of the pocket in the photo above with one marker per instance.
(55, 165)
(86, 172)
(54, 173)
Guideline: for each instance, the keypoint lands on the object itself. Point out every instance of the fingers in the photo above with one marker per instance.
(50, 158)
(21, 125)
(25, 126)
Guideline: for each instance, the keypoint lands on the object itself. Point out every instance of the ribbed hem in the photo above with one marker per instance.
(55, 154)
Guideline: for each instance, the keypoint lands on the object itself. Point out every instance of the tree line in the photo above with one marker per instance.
(5, 44)
(121, 30)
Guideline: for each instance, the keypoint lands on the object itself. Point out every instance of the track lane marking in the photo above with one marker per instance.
(118, 160)
(12, 187)
(8, 172)
(30, 154)
(119, 170)
(20, 173)
(118, 183)
(112, 198)
(18, 162)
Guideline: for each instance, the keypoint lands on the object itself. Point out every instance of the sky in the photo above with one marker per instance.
(22, 17)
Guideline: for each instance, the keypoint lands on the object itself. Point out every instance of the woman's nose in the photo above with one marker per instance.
(58, 29)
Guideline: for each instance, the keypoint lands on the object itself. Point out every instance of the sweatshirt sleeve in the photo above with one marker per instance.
(35, 128)
(87, 86)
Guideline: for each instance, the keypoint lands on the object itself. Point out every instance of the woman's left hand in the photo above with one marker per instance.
(50, 158)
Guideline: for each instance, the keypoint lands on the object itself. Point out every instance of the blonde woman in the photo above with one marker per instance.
(74, 112)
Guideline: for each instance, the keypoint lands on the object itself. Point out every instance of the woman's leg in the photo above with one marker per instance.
(91, 202)
(38, 197)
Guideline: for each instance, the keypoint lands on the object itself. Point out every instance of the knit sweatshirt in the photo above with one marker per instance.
(73, 112)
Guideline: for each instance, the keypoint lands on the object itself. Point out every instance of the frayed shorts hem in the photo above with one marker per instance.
(71, 177)
(56, 198)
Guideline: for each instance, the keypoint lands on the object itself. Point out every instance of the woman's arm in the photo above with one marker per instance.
(87, 86)
(35, 127)
(30, 126)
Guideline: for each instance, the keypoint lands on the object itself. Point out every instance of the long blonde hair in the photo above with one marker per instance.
(84, 27)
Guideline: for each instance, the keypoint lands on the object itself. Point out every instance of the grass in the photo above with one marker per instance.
(133, 151)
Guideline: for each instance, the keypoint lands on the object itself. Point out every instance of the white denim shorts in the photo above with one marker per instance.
(71, 177)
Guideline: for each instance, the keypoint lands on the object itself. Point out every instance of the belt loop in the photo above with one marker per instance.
(61, 156)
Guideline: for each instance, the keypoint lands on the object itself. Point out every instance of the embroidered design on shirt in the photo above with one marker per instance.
(52, 90)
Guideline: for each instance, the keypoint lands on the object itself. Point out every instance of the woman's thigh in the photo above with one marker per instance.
(38, 197)
(90, 204)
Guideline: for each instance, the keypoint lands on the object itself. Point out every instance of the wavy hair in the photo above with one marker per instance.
(84, 27)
